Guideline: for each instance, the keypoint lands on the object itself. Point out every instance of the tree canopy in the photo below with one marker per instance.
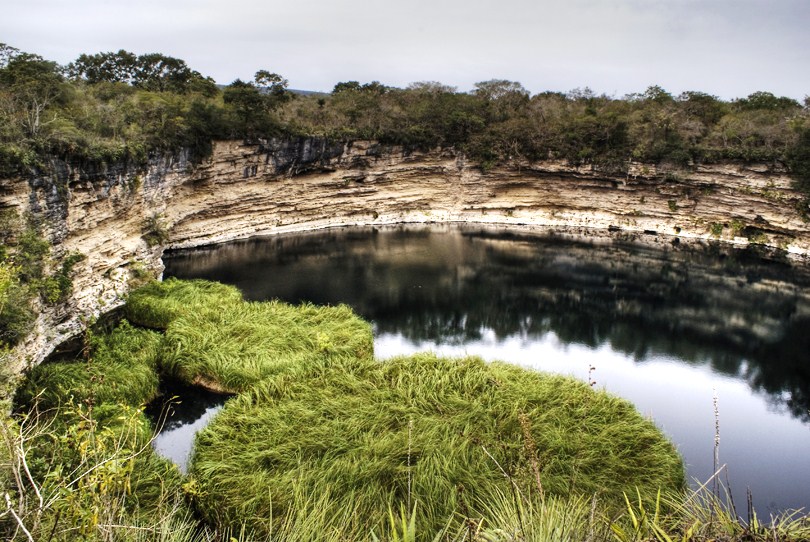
(119, 105)
(152, 71)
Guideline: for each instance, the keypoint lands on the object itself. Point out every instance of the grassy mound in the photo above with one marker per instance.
(157, 304)
(237, 345)
(87, 442)
(215, 339)
(120, 368)
(363, 438)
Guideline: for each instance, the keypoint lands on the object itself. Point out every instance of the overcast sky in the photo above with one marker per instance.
(729, 48)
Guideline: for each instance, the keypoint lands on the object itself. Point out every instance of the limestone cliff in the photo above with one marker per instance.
(302, 184)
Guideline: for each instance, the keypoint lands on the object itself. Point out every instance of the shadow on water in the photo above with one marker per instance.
(667, 324)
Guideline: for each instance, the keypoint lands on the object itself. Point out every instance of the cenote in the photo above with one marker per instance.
(683, 330)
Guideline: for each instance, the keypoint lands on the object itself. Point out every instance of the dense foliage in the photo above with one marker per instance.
(121, 106)
(28, 273)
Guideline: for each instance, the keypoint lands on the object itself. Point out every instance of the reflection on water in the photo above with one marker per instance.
(665, 325)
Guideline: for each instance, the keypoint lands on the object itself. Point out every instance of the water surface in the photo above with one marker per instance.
(179, 413)
(676, 328)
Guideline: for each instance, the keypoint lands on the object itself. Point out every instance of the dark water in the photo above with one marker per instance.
(670, 327)
(179, 413)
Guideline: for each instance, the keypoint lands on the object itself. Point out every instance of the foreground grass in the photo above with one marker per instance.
(444, 436)
(326, 444)
(77, 463)
(68, 475)
(116, 367)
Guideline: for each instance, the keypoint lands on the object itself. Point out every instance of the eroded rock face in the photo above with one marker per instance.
(245, 191)
(309, 183)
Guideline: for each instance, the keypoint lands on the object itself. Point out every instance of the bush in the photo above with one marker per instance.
(88, 473)
(155, 231)
(57, 288)
(799, 162)
(16, 315)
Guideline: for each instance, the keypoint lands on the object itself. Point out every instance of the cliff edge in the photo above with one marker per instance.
(121, 218)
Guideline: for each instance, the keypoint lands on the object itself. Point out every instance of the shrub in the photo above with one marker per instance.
(799, 162)
(88, 473)
(57, 288)
(155, 231)
(16, 315)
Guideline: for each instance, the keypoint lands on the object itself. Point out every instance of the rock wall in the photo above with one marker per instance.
(304, 184)
(249, 190)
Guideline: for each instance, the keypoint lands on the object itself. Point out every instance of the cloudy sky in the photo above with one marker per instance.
(729, 48)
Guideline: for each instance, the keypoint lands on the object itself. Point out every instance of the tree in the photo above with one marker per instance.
(272, 81)
(110, 67)
(431, 87)
(275, 88)
(498, 89)
(375, 87)
(766, 100)
(366, 108)
(502, 98)
(163, 73)
(657, 94)
(249, 107)
(346, 86)
(584, 94)
(153, 71)
(33, 84)
(7, 54)
(709, 109)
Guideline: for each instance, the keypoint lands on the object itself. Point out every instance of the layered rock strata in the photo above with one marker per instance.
(243, 190)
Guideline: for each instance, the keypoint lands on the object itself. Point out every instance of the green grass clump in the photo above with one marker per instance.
(157, 304)
(366, 438)
(82, 472)
(87, 442)
(237, 345)
(119, 368)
